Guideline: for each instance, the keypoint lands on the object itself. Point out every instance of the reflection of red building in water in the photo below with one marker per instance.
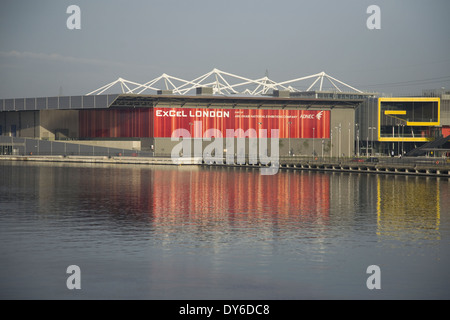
(217, 198)
(240, 195)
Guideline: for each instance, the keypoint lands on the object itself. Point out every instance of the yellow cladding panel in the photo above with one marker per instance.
(409, 99)
(396, 139)
(421, 124)
(387, 112)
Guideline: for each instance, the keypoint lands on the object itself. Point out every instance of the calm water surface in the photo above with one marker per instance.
(157, 232)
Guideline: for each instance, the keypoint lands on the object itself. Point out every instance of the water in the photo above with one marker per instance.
(163, 232)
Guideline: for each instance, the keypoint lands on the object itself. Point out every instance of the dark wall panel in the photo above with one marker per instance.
(116, 123)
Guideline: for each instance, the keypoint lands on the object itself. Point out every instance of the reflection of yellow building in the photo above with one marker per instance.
(403, 208)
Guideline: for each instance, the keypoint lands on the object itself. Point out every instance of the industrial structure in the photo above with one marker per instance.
(316, 115)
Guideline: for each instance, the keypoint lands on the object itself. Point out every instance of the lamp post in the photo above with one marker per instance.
(259, 137)
(340, 139)
(191, 141)
(337, 131)
(349, 150)
(367, 146)
(331, 143)
(357, 140)
(314, 150)
(403, 137)
(289, 136)
(371, 128)
(322, 147)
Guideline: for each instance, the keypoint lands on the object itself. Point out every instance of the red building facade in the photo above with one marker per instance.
(162, 122)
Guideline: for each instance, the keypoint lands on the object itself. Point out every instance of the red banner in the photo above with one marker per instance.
(290, 123)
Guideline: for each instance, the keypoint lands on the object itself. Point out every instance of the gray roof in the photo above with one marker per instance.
(139, 100)
(55, 103)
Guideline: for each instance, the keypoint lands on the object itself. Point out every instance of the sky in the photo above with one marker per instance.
(140, 40)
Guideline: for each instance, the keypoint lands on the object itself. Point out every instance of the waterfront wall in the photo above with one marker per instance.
(418, 167)
(23, 149)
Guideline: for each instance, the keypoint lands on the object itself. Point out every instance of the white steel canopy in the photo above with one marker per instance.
(223, 83)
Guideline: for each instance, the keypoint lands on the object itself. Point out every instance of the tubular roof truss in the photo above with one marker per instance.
(223, 83)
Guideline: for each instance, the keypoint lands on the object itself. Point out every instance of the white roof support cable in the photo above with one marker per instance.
(222, 83)
(104, 88)
(300, 79)
(125, 85)
(321, 81)
(315, 81)
(348, 86)
(195, 83)
(337, 88)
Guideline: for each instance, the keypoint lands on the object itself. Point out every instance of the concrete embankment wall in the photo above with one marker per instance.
(438, 168)
(105, 159)
(382, 168)
(429, 168)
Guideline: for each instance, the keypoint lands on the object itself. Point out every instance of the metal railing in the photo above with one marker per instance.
(36, 147)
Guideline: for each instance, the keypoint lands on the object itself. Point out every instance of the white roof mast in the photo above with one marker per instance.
(223, 83)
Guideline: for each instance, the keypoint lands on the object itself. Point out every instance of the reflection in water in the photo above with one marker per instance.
(234, 197)
(189, 232)
(215, 199)
(408, 208)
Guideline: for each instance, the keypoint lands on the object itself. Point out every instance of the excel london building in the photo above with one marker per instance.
(149, 119)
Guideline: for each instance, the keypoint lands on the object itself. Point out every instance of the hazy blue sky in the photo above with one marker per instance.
(139, 40)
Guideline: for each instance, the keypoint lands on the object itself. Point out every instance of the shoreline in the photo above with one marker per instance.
(105, 160)
(408, 169)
